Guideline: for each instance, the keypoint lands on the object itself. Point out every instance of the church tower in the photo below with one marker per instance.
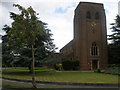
(89, 45)
(90, 36)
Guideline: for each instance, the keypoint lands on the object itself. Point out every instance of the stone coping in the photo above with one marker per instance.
(66, 83)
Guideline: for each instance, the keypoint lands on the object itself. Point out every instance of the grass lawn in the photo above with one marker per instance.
(11, 86)
(43, 74)
(22, 87)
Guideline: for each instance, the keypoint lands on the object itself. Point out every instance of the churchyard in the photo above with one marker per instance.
(51, 75)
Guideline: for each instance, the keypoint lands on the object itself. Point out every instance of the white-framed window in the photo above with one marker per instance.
(94, 50)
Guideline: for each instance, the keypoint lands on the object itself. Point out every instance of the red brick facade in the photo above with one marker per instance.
(90, 37)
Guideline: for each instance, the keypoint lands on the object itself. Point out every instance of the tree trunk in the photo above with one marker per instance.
(30, 68)
(33, 65)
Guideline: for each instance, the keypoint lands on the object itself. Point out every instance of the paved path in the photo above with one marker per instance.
(68, 87)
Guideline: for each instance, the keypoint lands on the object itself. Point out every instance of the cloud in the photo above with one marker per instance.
(112, 11)
(58, 14)
(60, 23)
(119, 8)
(5, 9)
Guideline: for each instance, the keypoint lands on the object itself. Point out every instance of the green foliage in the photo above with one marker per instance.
(26, 30)
(97, 70)
(50, 60)
(114, 46)
(114, 65)
(113, 54)
(15, 86)
(76, 64)
(113, 70)
(42, 74)
(58, 67)
(7, 60)
(7, 54)
(70, 65)
(67, 65)
(115, 37)
(22, 87)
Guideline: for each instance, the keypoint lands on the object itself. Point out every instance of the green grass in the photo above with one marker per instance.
(44, 74)
(22, 87)
(13, 86)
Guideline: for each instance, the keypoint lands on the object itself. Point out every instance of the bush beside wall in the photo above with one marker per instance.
(70, 64)
(113, 70)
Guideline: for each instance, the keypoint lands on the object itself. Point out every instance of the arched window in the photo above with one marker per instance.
(94, 50)
(97, 16)
(88, 15)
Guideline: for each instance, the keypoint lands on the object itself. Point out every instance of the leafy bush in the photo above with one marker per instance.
(114, 65)
(70, 65)
(113, 70)
(97, 70)
(55, 67)
(58, 66)
(76, 65)
(67, 65)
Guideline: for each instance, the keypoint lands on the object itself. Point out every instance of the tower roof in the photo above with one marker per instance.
(89, 4)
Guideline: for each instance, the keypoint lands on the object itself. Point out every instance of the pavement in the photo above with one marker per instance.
(56, 86)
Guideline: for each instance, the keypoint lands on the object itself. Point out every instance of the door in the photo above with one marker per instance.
(94, 64)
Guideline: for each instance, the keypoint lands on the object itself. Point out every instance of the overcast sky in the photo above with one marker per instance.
(57, 13)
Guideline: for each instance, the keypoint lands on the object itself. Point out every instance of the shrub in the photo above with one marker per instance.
(113, 70)
(70, 65)
(97, 70)
(67, 65)
(55, 66)
(58, 67)
(114, 65)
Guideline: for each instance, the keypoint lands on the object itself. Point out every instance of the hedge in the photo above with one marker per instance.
(70, 64)
(113, 70)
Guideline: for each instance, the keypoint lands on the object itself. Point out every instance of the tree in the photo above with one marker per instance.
(44, 48)
(114, 46)
(7, 55)
(25, 31)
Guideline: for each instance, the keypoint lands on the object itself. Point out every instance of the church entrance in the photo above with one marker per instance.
(94, 64)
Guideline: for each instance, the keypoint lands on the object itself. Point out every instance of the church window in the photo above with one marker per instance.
(94, 50)
(88, 15)
(97, 16)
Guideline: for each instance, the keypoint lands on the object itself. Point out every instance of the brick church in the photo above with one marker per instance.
(89, 45)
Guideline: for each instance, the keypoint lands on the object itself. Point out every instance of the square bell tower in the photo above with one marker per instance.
(90, 36)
